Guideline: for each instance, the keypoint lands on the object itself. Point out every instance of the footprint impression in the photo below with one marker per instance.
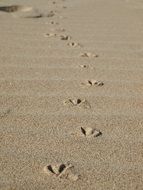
(54, 23)
(39, 14)
(89, 55)
(92, 83)
(74, 44)
(90, 132)
(64, 171)
(62, 37)
(49, 35)
(77, 103)
(65, 37)
(84, 66)
(15, 8)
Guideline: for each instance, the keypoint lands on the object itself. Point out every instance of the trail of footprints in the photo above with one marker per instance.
(63, 170)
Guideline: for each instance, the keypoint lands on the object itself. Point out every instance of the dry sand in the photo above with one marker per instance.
(71, 95)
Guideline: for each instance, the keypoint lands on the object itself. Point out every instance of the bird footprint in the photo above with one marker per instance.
(65, 37)
(74, 44)
(49, 35)
(77, 102)
(89, 55)
(65, 171)
(90, 132)
(93, 83)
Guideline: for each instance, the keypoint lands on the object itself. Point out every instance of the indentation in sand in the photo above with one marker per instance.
(90, 132)
(50, 35)
(89, 55)
(54, 23)
(83, 66)
(74, 44)
(65, 37)
(77, 102)
(15, 8)
(51, 14)
(65, 171)
(93, 83)
(37, 15)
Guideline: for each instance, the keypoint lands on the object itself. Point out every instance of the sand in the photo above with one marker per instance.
(71, 95)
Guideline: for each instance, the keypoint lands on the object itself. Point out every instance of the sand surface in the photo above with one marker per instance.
(71, 95)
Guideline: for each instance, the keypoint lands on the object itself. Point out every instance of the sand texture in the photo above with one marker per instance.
(71, 94)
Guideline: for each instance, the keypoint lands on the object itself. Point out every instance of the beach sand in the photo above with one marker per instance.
(71, 95)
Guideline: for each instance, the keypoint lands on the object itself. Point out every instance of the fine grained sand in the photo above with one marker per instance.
(71, 95)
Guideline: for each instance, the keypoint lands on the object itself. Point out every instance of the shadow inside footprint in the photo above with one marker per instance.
(90, 132)
(93, 83)
(77, 102)
(84, 66)
(39, 15)
(56, 169)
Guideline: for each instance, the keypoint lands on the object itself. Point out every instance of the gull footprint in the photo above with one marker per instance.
(74, 44)
(89, 55)
(51, 14)
(65, 37)
(62, 171)
(49, 35)
(84, 66)
(93, 83)
(90, 132)
(55, 23)
(77, 102)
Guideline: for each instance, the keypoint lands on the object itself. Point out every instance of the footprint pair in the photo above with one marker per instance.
(66, 171)
(64, 38)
